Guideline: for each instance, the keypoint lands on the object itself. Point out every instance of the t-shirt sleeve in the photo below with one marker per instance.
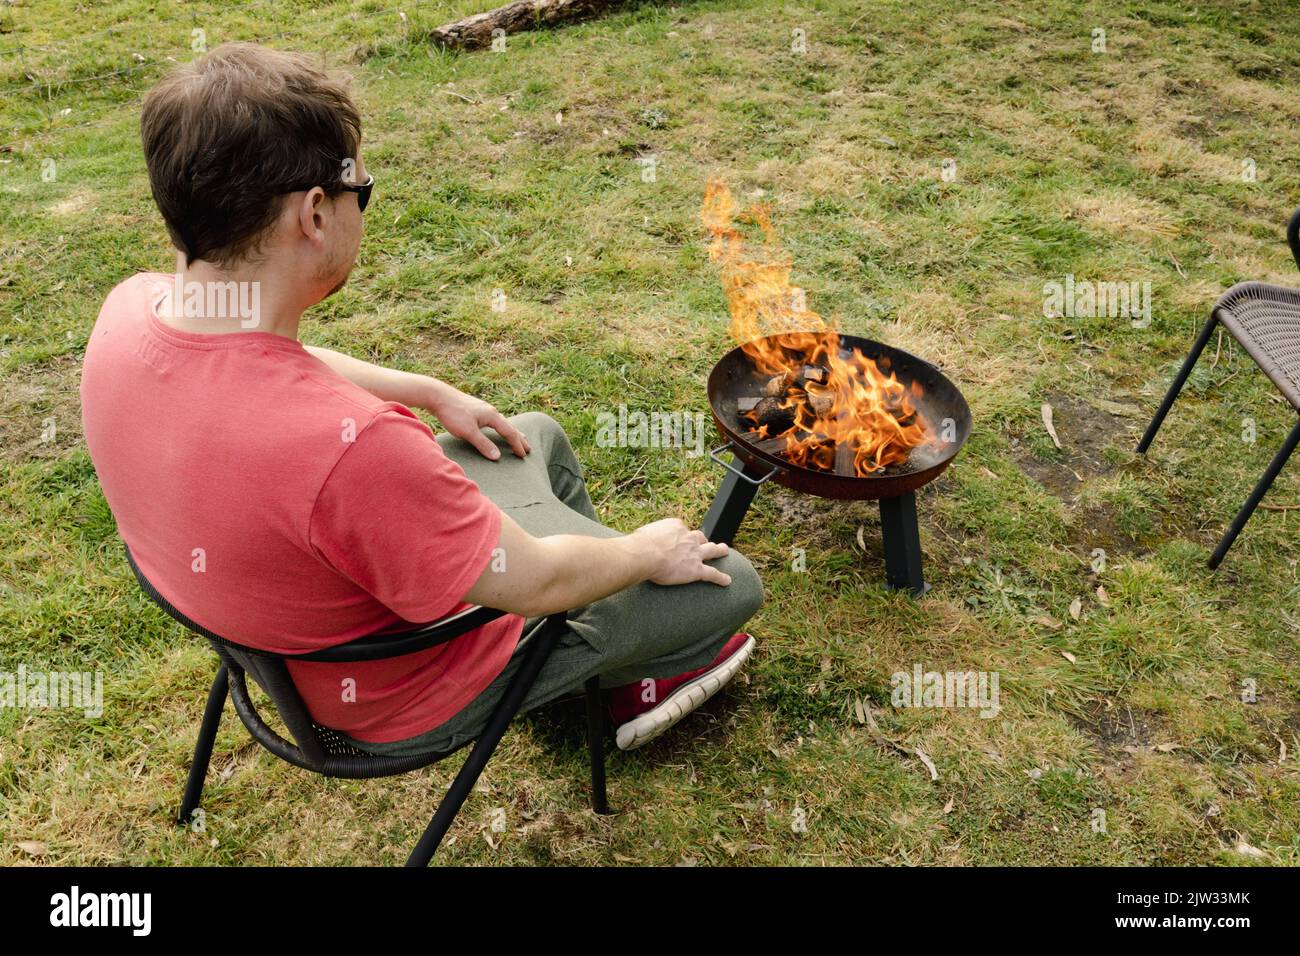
(403, 521)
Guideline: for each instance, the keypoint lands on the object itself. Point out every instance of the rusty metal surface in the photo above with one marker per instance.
(941, 401)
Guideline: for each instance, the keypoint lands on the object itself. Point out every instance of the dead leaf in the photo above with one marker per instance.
(33, 847)
(861, 541)
(1051, 623)
(929, 764)
(1245, 849)
(857, 710)
(1076, 608)
(1047, 421)
(1102, 596)
(1168, 748)
(947, 807)
(871, 718)
(1069, 657)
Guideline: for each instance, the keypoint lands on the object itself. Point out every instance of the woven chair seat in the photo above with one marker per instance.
(1265, 320)
(337, 757)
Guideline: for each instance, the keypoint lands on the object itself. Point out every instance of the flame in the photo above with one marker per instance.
(860, 410)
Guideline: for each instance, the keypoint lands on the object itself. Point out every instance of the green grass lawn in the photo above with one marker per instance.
(1121, 688)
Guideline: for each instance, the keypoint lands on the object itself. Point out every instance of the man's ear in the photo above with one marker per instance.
(311, 216)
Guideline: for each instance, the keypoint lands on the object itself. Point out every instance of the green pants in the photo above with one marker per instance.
(647, 630)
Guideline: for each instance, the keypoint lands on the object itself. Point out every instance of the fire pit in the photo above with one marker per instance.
(831, 415)
(779, 430)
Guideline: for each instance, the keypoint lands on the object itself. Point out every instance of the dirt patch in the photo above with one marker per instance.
(79, 202)
(40, 410)
(1119, 730)
(1086, 428)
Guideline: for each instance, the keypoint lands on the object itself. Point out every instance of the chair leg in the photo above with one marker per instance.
(596, 745)
(1179, 380)
(486, 744)
(203, 748)
(1256, 496)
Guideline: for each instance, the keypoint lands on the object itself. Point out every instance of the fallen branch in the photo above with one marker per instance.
(477, 31)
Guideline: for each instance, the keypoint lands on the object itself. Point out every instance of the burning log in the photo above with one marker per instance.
(770, 446)
(773, 413)
(846, 456)
(821, 400)
(778, 385)
(815, 373)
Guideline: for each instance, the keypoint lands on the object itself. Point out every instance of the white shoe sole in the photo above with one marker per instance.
(646, 727)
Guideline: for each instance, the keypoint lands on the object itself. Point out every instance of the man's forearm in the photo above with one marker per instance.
(583, 569)
(389, 384)
(557, 573)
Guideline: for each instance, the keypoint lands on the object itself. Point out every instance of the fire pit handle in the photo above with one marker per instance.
(736, 471)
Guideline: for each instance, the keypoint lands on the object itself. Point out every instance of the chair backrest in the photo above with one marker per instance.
(320, 749)
(269, 670)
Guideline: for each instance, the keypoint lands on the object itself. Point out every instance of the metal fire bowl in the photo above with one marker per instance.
(734, 377)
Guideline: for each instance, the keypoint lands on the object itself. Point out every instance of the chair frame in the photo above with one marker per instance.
(324, 751)
(1293, 438)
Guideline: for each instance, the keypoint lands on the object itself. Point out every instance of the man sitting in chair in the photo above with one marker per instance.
(286, 497)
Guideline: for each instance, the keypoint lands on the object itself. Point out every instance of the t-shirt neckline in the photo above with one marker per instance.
(203, 340)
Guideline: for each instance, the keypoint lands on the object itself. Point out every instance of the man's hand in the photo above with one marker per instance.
(541, 576)
(466, 416)
(681, 553)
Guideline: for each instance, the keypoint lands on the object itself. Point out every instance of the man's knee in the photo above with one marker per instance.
(744, 596)
(539, 426)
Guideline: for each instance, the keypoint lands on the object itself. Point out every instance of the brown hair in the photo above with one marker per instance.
(225, 137)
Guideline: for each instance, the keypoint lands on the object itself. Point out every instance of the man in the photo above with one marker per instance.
(285, 496)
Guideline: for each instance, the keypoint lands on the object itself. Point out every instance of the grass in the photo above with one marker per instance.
(1124, 165)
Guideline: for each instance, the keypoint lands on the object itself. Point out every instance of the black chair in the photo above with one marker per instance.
(1265, 319)
(326, 752)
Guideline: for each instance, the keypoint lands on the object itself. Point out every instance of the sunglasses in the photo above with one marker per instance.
(363, 190)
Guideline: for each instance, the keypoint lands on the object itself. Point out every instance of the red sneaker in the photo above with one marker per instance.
(644, 710)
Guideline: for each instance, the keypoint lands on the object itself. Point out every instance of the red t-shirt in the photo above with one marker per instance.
(279, 505)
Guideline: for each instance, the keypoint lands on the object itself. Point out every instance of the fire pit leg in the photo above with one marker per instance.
(730, 504)
(902, 539)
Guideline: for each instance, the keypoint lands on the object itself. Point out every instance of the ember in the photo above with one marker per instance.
(817, 406)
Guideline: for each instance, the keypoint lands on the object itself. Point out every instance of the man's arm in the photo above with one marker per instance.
(545, 575)
(409, 388)
(462, 415)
